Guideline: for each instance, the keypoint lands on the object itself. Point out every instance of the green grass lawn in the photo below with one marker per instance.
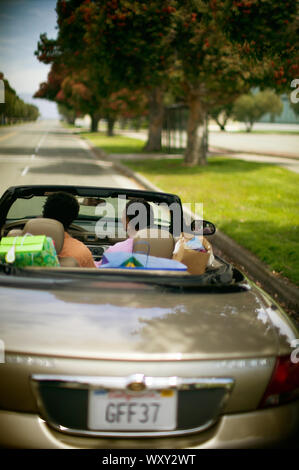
(115, 144)
(256, 204)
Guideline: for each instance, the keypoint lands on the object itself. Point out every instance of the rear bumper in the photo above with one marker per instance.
(264, 428)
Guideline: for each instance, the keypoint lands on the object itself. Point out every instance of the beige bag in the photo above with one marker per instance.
(196, 261)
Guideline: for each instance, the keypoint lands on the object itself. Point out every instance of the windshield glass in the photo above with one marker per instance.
(101, 215)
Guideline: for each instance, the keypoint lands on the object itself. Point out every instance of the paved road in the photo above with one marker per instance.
(46, 153)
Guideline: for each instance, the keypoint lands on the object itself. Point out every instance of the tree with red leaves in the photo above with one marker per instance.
(266, 30)
(215, 49)
(129, 44)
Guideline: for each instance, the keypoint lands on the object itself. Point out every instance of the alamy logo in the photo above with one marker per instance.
(294, 96)
(295, 353)
(2, 354)
(2, 92)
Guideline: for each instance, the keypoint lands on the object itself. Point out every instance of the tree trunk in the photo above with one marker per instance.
(221, 126)
(206, 134)
(249, 126)
(195, 153)
(137, 123)
(110, 126)
(123, 123)
(94, 122)
(156, 114)
(71, 120)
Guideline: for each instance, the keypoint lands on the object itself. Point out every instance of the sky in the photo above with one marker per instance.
(21, 23)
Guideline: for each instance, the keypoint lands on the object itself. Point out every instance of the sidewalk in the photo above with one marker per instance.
(274, 144)
(290, 162)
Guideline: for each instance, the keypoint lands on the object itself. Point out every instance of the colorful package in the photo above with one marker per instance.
(28, 250)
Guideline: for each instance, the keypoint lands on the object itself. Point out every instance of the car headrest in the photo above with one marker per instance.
(154, 242)
(15, 232)
(49, 227)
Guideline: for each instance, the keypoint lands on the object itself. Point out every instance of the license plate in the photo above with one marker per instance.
(134, 411)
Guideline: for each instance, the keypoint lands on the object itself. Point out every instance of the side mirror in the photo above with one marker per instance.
(203, 227)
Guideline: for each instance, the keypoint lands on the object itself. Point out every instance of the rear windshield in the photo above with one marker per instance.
(92, 210)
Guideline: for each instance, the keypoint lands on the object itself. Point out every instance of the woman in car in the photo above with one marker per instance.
(138, 214)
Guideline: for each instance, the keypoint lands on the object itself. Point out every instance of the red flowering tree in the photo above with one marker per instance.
(71, 81)
(215, 49)
(123, 104)
(68, 89)
(128, 42)
(143, 45)
(226, 46)
(266, 30)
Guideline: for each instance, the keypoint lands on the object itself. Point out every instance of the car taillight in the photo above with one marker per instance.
(284, 383)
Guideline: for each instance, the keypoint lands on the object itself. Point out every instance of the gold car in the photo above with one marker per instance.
(138, 358)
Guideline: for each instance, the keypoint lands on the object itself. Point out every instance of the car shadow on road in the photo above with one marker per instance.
(55, 152)
(72, 168)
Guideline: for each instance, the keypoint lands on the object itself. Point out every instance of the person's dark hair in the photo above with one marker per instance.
(143, 212)
(61, 206)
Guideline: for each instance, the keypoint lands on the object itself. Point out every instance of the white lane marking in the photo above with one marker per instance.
(41, 142)
(24, 172)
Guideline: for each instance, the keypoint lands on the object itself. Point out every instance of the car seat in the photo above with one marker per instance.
(154, 242)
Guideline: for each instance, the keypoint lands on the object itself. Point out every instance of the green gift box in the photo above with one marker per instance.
(28, 250)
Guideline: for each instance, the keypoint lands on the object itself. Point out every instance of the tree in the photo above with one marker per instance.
(250, 108)
(70, 81)
(212, 71)
(73, 90)
(129, 41)
(123, 104)
(67, 114)
(216, 49)
(267, 32)
(221, 114)
(15, 109)
(141, 45)
(144, 44)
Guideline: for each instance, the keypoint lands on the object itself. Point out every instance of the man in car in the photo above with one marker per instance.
(64, 207)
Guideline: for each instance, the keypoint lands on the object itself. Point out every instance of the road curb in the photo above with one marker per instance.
(283, 291)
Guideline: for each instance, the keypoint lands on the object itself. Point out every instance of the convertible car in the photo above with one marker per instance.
(138, 357)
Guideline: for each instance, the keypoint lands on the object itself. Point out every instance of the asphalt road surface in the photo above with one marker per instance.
(46, 153)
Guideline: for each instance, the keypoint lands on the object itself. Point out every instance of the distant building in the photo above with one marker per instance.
(287, 116)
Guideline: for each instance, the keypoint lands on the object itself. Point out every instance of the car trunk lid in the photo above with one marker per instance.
(135, 322)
